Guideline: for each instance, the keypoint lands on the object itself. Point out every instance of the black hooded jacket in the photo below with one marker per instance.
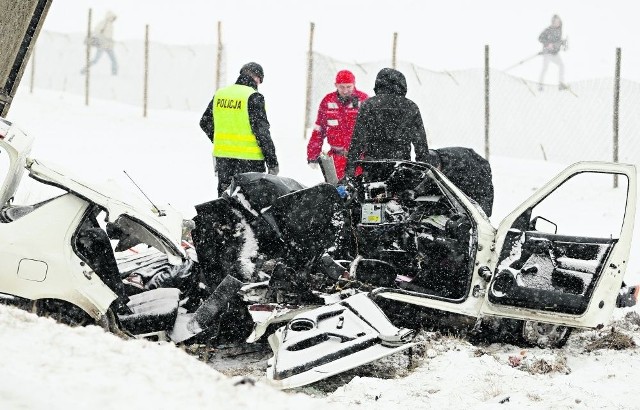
(257, 119)
(388, 124)
(551, 35)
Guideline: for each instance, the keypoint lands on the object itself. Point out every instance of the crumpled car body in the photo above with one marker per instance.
(579, 284)
(40, 256)
(322, 270)
(414, 239)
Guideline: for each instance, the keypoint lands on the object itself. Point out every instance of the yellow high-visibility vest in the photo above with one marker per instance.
(232, 136)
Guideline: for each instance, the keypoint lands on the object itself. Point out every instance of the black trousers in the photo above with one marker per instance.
(228, 167)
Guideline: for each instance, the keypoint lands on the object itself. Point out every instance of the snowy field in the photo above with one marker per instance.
(168, 156)
(47, 365)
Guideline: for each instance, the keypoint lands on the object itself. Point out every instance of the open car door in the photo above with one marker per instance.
(20, 23)
(562, 254)
(15, 146)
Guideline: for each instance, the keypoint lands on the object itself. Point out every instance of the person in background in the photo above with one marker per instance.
(388, 124)
(336, 118)
(236, 123)
(102, 40)
(552, 42)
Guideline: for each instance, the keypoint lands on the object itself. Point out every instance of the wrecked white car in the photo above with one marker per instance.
(334, 281)
(418, 247)
(74, 256)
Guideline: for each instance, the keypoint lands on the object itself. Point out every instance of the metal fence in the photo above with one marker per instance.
(179, 77)
(560, 126)
(554, 125)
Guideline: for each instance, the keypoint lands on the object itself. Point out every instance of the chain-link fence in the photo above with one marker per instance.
(561, 126)
(169, 66)
(526, 122)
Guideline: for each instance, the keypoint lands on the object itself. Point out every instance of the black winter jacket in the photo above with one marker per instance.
(468, 171)
(388, 124)
(551, 35)
(257, 119)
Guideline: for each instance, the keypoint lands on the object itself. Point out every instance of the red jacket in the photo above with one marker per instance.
(335, 122)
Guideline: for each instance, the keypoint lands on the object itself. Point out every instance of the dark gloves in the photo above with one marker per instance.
(313, 163)
(274, 170)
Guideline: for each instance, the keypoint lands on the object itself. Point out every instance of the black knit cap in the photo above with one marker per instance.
(253, 69)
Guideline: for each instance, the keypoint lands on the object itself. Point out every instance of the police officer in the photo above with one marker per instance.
(236, 123)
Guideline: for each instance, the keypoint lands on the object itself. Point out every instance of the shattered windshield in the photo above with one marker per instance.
(131, 232)
(31, 192)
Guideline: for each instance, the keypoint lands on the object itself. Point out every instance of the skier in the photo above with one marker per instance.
(102, 40)
(336, 119)
(388, 124)
(552, 42)
(236, 123)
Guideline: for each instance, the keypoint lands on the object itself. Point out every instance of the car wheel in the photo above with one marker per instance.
(63, 312)
(545, 335)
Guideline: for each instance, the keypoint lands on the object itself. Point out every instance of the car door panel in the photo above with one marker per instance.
(553, 273)
(559, 278)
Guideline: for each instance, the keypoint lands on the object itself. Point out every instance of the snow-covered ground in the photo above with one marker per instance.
(169, 158)
(47, 365)
(455, 374)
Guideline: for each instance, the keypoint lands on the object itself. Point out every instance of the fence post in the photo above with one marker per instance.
(394, 50)
(219, 56)
(486, 102)
(87, 58)
(307, 103)
(145, 92)
(33, 69)
(616, 112)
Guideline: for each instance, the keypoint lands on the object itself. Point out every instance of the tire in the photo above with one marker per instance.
(545, 335)
(71, 315)
(63, 312)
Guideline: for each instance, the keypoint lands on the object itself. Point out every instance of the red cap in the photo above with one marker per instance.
(345, 77)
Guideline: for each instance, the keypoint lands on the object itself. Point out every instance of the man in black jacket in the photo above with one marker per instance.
(236, 123)
(388, 124)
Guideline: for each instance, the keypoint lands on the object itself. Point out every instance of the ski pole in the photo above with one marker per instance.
(523, 61)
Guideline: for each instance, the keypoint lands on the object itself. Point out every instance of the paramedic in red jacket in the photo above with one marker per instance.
(335, 122)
